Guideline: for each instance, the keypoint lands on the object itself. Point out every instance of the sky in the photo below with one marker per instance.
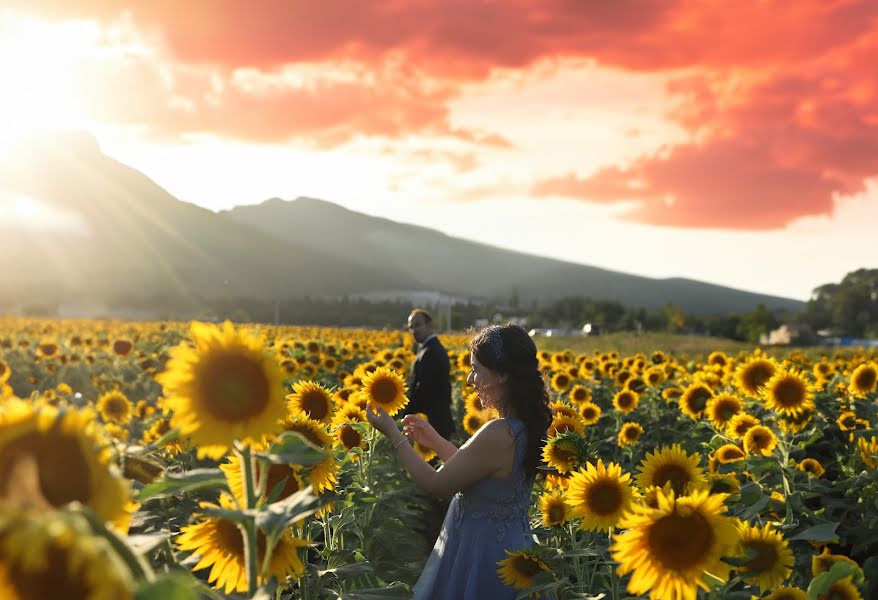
(729, 142)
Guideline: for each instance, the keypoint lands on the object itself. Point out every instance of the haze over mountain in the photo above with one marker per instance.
(129, 243)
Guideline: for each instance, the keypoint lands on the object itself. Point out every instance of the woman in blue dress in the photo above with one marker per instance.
(490, 476)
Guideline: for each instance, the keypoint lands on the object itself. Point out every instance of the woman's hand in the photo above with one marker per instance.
(381, 421)
(420, 431)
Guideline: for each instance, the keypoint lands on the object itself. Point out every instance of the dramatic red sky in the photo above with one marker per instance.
(734, 142)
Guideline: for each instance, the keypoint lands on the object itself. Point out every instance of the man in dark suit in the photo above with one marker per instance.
(429, 384)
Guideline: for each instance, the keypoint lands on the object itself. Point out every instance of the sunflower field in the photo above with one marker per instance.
(185, 461)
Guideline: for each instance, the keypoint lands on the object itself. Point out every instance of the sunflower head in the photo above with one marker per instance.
(671, 465)
(590, 413)
(114, 407)
(312, 399)
(739, 425)
(812, 467)
(564, 452)
(789, 393)
(721, 408)
(521, 567)
(670, 548)
(578, 395)
(600, 495)
(821, 563)
(760, 440)
(771, 559)
(385, 388)
(564, 423)
(694, 399)
(864, 379)
(751, 375)
(553, 509)
(625, 401)
(224, 386)
(629, 434)
(729, 453)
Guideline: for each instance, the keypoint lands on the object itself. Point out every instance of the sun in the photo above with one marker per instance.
(41, 76)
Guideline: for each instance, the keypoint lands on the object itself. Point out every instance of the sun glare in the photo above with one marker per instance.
(38, 76)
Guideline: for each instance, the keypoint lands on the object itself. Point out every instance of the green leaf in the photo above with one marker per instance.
(825, 532)
(147, 542)
(274, 518)
(393, 590)
(292, 448)
(173, 587)
(351, 570)
(737, 561)
(754, 509)
(820, 585)
(190, 481)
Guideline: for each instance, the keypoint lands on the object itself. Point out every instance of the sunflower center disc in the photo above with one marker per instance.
(604, 498)
(680, 542)
(766, 557)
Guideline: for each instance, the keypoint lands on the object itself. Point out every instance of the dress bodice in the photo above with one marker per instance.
(503, 501)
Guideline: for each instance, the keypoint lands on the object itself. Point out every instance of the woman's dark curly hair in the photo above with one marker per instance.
(508, 349)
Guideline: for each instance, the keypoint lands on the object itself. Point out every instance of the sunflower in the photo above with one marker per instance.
(600, 495)
(284, 476)
(629, 434)
(671, 465)
(754, 373)
(772, 559)
(670, 548)
(625, 401)
(321, 476)
(760, 440)
(220, 545)
(55, 457)
(739, 425)
(729, 453)
(561, 453)
(520, 568)
(563, 424)
(553, 509)
(223, 387)
(313, 400)
(654, 376)
(561, 382)
(473, 421)
(385, 388)
(114, 407)
(694, 400)
(787, 593)
(821, 563)
(579, 394)
(349, 413)
(590, 413)
(47, 554)
(864, 379)
(812, 467)
(788, 393)
(843, 589)
(427, 454)
(349, 437)
(122, 347)
(672, 394)
(724, 484)
(721, 408)
(868, 451)
(560, 408)
(847, 420)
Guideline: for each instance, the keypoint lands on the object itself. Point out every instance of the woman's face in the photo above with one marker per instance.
(489, 384)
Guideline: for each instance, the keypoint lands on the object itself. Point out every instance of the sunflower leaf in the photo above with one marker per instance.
(175, 587)
(273, 518)
(825, 532)
(820, 585)
(292, 448)
(177, 483)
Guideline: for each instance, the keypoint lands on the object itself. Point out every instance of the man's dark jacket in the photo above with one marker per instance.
(430, 387)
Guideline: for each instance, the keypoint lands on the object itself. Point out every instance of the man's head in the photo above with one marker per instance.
(420, 324)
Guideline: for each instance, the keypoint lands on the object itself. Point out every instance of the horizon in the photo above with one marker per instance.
(657, 141)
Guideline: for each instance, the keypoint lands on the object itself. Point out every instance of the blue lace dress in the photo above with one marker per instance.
(482, 522)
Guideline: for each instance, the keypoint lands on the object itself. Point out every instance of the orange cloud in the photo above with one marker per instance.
(779, 97)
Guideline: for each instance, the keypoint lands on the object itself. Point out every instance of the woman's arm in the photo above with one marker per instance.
(483, 455)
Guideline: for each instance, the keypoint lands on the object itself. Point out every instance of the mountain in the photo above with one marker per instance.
(134, 244)
(91, 231)
(464, 268)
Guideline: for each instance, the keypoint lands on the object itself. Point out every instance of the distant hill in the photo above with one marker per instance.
(464, 268)
(133, 245)
(138, 245)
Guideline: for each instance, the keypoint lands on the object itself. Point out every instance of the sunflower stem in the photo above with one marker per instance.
(251, 558)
